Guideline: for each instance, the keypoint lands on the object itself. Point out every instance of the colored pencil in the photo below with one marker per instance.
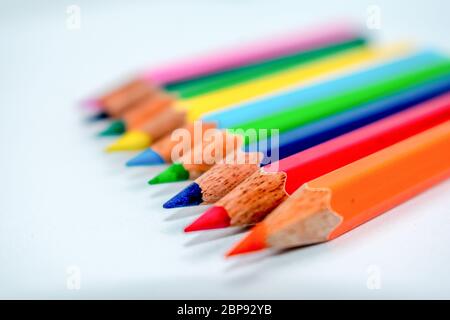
(252, 110)
(222, 178)
(216, 82)
(337, 202)
(306, 113)
(221, 61)
(262, 192)
(194, 108)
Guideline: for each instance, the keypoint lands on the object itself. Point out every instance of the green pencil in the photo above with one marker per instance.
(228, 78)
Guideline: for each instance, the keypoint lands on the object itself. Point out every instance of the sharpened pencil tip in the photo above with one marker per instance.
(214, 218)
(254, 241)
(130, 141)
(148, 157)
(116, 128)
(190, 196)
(176, 172)
(102, 115)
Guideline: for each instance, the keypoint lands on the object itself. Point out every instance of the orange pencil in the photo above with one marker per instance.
(337, 202)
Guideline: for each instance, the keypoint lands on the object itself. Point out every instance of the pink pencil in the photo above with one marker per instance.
(248, 54)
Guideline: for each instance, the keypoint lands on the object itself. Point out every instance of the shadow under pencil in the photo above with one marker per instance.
(211, 235)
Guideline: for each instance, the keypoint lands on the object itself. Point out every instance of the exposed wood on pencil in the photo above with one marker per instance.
(221, 144)
(200, 158)
(266, 188)
(120, 100)
(306, 219)
(165, 145)
(147, 109)
(224, 177)
(165, 122)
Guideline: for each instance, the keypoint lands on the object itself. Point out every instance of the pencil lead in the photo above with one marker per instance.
(176, 172)
(190, 196)
(214, 218)
(149, 157)
(102, 115)
(132, 140)
(254, 241)
(116, 128)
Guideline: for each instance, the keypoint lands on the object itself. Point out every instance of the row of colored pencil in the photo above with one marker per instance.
(361, 128)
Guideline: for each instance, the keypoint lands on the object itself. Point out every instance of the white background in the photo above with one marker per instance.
(63, 202)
